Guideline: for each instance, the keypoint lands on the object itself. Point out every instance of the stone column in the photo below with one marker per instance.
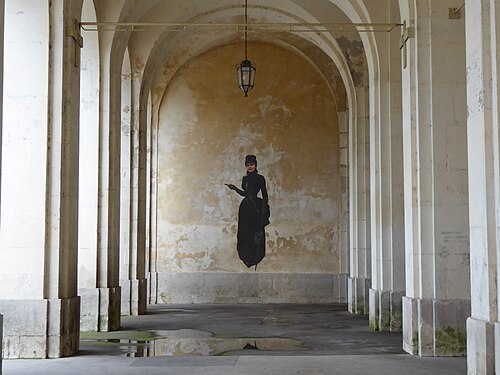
(1, 342)
(360, 267)
(125, 190)
(148, 208)
(39, 216)
(386, 175)
(437, 300)
(108, 222)
(89, 173)
(138, 183)
(153, 248)
(99, 202)
(2, 9)
(343, 116)
(483, 327)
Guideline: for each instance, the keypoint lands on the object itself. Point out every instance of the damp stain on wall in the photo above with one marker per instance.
(207, 126)
(355, 57)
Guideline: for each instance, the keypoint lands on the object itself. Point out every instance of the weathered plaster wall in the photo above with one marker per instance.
(207, 127)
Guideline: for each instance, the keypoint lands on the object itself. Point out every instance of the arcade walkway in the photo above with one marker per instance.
(241, 339)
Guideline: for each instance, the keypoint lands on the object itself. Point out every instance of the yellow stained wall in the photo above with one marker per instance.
(207, 126)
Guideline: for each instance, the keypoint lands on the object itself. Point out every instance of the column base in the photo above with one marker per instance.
(109, 309)
(1, 340)
(483, 347)
(47, 328)
(89, 313)
(153, 288)
(340, 286)
(358, 295)
(385, 310)
(99, 311)
(134, 297)
(63, 327)
(138, 296)
(435, 328)
(125, 297)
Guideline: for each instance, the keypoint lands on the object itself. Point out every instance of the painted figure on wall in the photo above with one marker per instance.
(253, 214)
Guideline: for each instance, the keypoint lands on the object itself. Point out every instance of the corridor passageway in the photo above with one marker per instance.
(135, 153)
(242, 340)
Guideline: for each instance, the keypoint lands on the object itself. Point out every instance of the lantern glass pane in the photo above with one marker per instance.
(239, 73)
(245, 76)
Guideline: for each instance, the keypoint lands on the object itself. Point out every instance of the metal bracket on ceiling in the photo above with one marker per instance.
(73, 31)
(408, 32)
(455, 13)
(256, 27)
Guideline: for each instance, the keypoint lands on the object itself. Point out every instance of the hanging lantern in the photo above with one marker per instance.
(246, 76)
(246, 70)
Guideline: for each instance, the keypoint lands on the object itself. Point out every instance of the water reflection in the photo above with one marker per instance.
(192, 346)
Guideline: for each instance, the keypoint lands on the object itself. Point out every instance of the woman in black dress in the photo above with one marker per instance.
(253, 214)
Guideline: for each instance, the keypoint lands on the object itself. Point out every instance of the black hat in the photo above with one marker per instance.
(250, 159)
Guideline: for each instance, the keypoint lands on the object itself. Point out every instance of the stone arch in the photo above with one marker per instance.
(330, 45)
(356, 12)
(144, 91)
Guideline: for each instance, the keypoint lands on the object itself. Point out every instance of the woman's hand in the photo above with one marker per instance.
(233, 187)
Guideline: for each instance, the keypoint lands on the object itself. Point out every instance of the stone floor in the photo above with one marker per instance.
(241, 339)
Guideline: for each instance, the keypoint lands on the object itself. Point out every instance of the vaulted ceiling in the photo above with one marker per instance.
(157, 51)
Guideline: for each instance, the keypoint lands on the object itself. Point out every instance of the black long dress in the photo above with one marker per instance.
(253, 216)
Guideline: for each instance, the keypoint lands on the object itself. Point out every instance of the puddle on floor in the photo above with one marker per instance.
(181, 343)
(181, 311)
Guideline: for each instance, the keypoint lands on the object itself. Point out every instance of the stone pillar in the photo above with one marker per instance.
(125, 224)
(437, 300)
(153, 248)
(1, 342)
(38, 235)
(360, 267)
(386, 183)
(99, 202)
(483, 327)
(148, 208)
(2, 9)
(138, 188)
(108, 222)
(344, 202)
(89, 175)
